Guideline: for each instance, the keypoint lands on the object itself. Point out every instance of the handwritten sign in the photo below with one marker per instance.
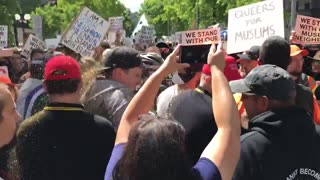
(146, 35)
(252, 24)
(4, 71)
(307, 30)
(85, 33)
(116, 23)
(201, 36)
(3, 36)
(33, 42)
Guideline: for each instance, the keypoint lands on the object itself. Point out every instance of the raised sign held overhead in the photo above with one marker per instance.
(251, 25)
(307, 30)
(3, 36)
(146, 35)
(201, 36)
(85, 33)
(33, 42)
(116, 23)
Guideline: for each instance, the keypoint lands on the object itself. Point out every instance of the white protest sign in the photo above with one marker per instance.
(251, 25)
(116, 23)
(112, 37)
(307, 30)
(85, 33)
(146, 35)
(52, 43)
(33, 42)
(4, 71)
(201, 36)
(3, 36)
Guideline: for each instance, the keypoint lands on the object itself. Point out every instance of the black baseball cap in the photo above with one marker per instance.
(122, 57)
(162, 45)
(251, 54)
(266, 80)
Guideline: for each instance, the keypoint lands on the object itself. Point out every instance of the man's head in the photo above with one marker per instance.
(275, 50)
(296, 64)
(8, 116)
(164, 49)
(264, 88)
(62, 76)
(205, 80)
(249, 60)
(37, 63)
(124, 65)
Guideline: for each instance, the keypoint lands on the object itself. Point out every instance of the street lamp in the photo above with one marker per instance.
(20, 21)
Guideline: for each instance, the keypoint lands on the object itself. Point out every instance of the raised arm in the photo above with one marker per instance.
(143, 101)
(224, 148)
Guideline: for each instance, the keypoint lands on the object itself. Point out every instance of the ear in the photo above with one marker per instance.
(208, 80)
(259, 62)
(264, 103)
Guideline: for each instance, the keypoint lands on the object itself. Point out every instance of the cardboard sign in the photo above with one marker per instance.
(146, 35)
(251, 25)
(85, 33)
(3, 36)
(116, 23)
(201, 36)
(307, 30)
(4, 71)
(6, 52)
(33, 42)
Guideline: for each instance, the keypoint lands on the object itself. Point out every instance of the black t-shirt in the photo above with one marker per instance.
(64, 144)
(193, 109)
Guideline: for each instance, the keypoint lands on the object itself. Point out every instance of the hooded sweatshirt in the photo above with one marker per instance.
(281, 145)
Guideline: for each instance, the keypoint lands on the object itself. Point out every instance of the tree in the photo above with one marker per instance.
(170, 16)
(57, 18)
(7, 11)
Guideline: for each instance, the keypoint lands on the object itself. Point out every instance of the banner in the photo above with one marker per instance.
(146, 35)
(251, 25)
(85, 33)
(116, 23)
(201, 36)
(307, 30)
(3, 36)
(33, 42)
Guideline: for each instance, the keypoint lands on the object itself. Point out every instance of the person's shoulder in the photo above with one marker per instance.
(253, 139)
(31, 123)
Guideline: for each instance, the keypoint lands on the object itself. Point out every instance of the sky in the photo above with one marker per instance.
(133, 5)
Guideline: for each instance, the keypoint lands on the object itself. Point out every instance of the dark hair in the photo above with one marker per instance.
(275, 50)
(37, 71)
(155, 150)
(105, 45)
(189, 73)
(35, 51)
(62, 86)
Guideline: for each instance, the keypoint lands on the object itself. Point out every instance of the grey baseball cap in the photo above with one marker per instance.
(266, 80)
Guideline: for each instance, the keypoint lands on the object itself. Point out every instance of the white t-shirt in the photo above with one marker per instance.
(165, 98)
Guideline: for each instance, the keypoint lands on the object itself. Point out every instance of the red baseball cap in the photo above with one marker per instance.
(62, 68)
(230, 71)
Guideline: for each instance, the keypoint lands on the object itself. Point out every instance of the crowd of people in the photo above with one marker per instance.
(127, 114)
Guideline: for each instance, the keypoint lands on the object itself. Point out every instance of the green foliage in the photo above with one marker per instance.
(169, 16)
(57, 18)
(8, 8)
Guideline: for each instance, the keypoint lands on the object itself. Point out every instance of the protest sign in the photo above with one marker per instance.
(4, 71)
(6, 52)
(201, 36)
(307, 30)
(252, 24)
(112, 37)
(3, 36)
(33, 42)
(85, 33)
(146, 35)
(116, 23)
